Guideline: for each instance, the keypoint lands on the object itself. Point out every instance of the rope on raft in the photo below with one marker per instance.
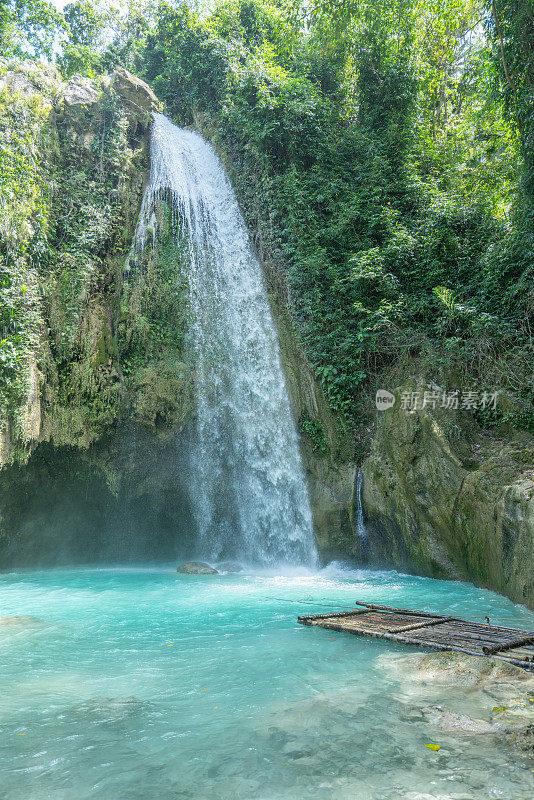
(494, 620)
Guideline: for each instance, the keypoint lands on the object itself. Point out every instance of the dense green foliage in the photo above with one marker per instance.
(63, 239)
(23, 224)
(383, 156)
(374, 155)
(29, 27)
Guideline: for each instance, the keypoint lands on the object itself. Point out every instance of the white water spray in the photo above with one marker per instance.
(246, 482)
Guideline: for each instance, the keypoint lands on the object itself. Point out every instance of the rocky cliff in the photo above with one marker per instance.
(95, 429)
(96, 391)
(80, 159)
(92, 378)
(443, 497)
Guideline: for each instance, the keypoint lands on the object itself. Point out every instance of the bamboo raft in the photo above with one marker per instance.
(435, 631)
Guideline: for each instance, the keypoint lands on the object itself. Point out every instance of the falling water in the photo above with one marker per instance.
(361, 533)
(246, 482)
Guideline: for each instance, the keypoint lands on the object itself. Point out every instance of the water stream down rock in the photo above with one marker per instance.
(246, 480)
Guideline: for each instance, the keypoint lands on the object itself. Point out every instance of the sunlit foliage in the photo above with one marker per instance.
(382, 154)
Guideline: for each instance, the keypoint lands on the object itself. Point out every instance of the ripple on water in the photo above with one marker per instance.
(145, 684)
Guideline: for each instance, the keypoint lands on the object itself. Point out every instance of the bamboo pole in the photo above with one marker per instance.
(410, 612)
(334, 626)
(307, 619)
(414, 626)
(509, 645)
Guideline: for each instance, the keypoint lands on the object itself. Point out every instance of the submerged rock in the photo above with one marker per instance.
(196, 568)
(108, 709)
(498, 696)
(230, 566)
(447, 720)
(455, 670)
(19, 620)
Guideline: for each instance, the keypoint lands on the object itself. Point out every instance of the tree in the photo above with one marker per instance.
(511, 25)
(29, 28)
(85, 21)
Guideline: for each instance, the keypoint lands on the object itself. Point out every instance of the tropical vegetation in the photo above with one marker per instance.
(383, 156)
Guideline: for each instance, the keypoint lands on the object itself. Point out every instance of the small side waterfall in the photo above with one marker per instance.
(361, 532)
(247, 482)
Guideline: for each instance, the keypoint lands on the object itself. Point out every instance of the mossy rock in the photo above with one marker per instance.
(163, 393)
(444, 498)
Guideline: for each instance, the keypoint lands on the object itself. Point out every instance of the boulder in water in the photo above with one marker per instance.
(196, 568)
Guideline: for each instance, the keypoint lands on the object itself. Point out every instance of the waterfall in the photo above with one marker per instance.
(247, 483)
(361, 533)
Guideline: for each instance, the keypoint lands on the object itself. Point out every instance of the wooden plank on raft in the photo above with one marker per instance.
(430, 630)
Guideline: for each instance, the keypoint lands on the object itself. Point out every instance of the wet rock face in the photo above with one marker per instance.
(445, 499)
(329, 468)
(196, 568)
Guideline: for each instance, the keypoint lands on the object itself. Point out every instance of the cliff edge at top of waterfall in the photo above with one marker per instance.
(135, 93)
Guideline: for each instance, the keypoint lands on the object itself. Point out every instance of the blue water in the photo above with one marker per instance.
(144, 684)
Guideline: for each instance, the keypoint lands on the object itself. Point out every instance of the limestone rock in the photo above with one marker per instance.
(17, 82)
(196, 568)
(462, 671)
(30, 78)
(521, 738)
(136, 95)
(446, 499)
(80, 99)
(447, 720)
(495, 694)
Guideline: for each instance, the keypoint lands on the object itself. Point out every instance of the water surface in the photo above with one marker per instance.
(144, 684)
